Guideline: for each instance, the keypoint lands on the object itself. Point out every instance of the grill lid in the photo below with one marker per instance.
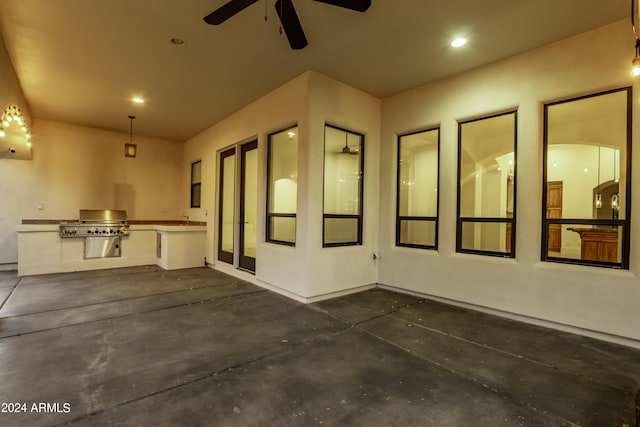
(96, 222)
(103, 216)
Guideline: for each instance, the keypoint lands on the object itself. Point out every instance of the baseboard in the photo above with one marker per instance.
(602, 336)
(340, 293)
(232, 271)
(9, 266)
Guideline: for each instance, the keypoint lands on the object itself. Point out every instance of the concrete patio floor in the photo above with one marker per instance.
(146, 347)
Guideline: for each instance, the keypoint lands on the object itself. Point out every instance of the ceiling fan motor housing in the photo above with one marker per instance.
(287, 14)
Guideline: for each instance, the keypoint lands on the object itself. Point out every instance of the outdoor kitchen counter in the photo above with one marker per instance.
(169, 244)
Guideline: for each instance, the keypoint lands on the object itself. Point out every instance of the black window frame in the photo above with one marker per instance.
(195, 185)
(460, 221)
(270, 215)
(399, 218)
(359, 217)
(624, 223)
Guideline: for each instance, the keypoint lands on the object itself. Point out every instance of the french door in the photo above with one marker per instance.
(248, 205)
(238, 206)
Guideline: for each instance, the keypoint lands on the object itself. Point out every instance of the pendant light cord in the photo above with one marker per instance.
(598, 169)
(131, 128)
(633, 21)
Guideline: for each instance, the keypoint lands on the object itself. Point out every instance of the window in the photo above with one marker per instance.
(343, 174)
(195, 183)
(417, 190)
(586, 180)
(282, 190)
(487, 186)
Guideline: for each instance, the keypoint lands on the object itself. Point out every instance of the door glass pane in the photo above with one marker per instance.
(227, 199)
(250, 202)
(418, 174)
(486, 236)
(418, 232)
(487, 165)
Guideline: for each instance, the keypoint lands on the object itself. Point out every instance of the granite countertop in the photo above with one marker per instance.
(130, 222)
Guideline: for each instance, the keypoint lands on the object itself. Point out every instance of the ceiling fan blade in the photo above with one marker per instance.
(357, 5)
(291, 24)
(227, 10)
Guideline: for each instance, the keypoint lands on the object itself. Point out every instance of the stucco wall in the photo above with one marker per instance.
(594, 299)
(76, 167)
(284, 107)
(10, 94)
(336, 269)
(310, 100)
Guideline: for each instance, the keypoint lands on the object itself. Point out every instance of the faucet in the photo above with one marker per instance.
(185, 216)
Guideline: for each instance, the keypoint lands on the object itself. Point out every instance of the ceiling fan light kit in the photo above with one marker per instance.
(286, 12)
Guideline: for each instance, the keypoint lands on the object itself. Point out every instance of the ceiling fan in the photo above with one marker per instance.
(346, 149)
(286, 13)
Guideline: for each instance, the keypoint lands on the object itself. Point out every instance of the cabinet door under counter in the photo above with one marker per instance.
(598, 244)
(42, 250)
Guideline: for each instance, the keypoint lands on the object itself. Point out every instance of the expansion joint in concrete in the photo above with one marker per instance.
(10, 293)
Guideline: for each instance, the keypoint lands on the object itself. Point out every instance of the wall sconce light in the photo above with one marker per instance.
(130, 148)
(12, 116)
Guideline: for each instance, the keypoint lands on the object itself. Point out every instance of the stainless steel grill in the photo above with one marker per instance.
(97, 223)
(101, 230)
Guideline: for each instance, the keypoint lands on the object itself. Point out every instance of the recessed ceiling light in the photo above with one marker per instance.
(138, 100)
(458, 42)
(177, 41)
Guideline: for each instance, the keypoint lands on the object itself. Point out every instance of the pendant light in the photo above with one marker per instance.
(615, 197)
(130, 148)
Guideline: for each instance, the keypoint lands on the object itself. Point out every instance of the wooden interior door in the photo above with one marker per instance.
(554, 210)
